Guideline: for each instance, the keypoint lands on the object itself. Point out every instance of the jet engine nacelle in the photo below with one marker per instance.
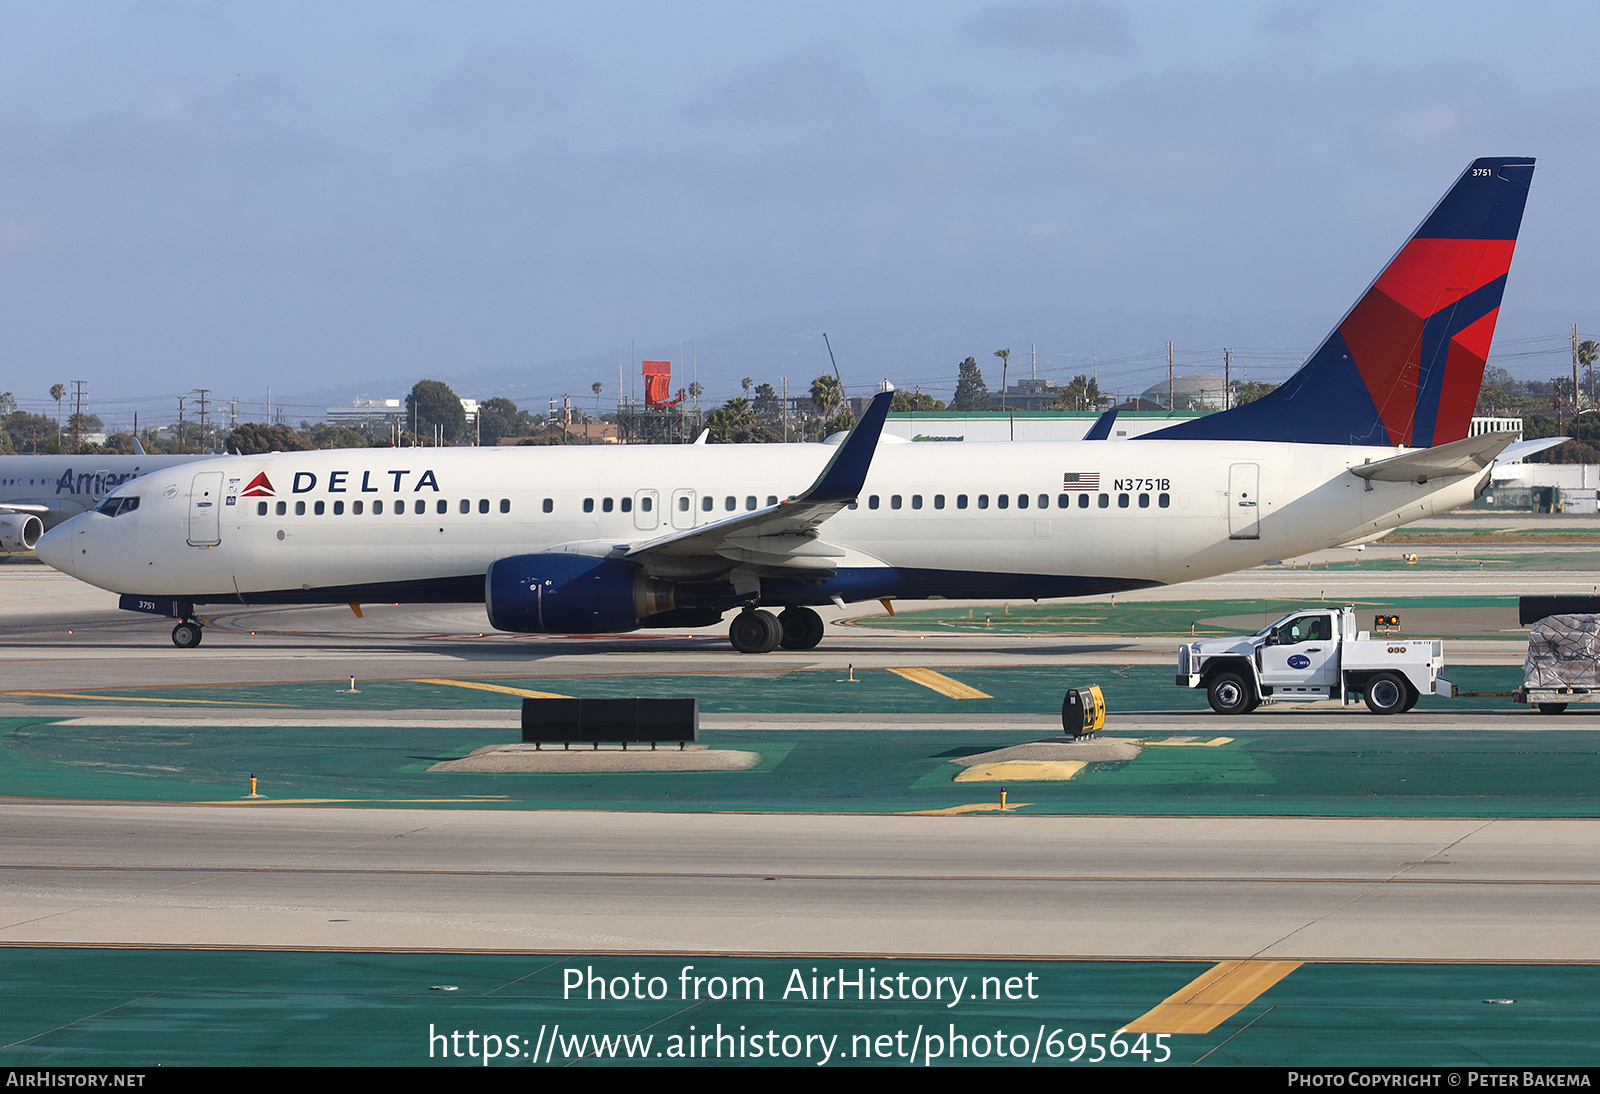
(571, 594)
(19, 531)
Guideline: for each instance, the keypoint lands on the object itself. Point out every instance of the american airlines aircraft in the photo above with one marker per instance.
(1371, 433)
(39, 492)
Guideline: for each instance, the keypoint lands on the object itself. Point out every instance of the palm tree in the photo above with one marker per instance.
(594, 387)
(57, 391)
(827, 393)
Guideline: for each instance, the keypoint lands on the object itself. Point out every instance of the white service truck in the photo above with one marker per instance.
(1314, 654)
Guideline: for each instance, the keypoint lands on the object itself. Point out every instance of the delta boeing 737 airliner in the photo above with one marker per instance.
(1371, 433)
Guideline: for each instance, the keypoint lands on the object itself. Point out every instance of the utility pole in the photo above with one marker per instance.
(1227, 378)
(1574, 371)
(202, 392)
(180, 425)
(1171, 406)
(77, 414)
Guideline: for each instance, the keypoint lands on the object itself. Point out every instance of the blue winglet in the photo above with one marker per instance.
(846, 473)
(1101, 430)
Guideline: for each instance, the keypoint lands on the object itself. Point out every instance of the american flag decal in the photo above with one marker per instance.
(1080, 480)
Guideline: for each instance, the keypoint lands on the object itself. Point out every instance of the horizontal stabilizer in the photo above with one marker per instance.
(1466, 457)
(1523, 449)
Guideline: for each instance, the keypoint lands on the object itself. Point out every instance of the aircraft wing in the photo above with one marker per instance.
(782, 535)
(23, 507)
(1467, 456)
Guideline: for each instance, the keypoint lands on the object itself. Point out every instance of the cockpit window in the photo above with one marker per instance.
(115, 506)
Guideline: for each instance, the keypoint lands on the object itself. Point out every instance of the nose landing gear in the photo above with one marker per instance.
(187, 635)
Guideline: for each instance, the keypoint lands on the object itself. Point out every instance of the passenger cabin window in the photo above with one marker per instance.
(1164, 500)
(356, 507)
(938, 501)
(1022, 501)
(1003, 501)
(872, 502)
(683, 504)
(466, 506)
(1105, 501)
(261, 508)
(750, 503)
(483, 505)
(443, 507)
(916, 501)
(338, 508)
(1122, 501)
(627, 505)
(706, 504)
(1144, 501)
(644, 505)
(377, 508)
(588, 505)
(730, 503)
(549, 505)
(894, 501)
(772, 499)
(983, 501)
(299, 508)
(961, 501)
(505, 505)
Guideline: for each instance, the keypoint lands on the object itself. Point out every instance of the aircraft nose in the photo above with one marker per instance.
(55, 548)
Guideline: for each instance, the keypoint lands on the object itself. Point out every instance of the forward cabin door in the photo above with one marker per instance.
(1244, 503)
(205, 509)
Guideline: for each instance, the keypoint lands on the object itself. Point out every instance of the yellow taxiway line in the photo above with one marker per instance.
(941, 683)
(525, 693)
(1213, 997)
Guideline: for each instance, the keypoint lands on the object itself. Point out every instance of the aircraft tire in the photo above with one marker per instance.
(802, 628)
(755, 632)
(186, 635)
(1229, 693)
(1386, 693)
(1552, 708)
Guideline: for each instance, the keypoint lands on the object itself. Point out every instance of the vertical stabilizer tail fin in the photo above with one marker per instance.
(1404, 365)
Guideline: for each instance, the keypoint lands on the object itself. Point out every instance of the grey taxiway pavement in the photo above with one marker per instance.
(249, 875)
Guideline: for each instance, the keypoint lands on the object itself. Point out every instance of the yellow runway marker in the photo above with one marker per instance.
(137, 699)
(1022, 771)
(1191, 742)
(525, 693)
(989, 807)
(1212, 998)
(941, 683)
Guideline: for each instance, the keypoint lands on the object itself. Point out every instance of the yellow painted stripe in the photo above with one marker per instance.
(954, 810)
(525, 693)
(940, 683)
(1212, 998)
(135, 699)
(1212, 742)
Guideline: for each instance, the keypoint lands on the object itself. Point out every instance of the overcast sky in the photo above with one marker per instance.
(311, 196)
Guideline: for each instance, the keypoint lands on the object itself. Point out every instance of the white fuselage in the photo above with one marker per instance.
(1010, 519)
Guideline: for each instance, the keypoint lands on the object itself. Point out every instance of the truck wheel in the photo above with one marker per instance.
(1552, 708)
(1230, 694)
(1412, 697)
(1386, 693)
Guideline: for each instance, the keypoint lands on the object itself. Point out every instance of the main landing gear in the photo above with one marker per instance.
(187, 635)
(757, 631)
